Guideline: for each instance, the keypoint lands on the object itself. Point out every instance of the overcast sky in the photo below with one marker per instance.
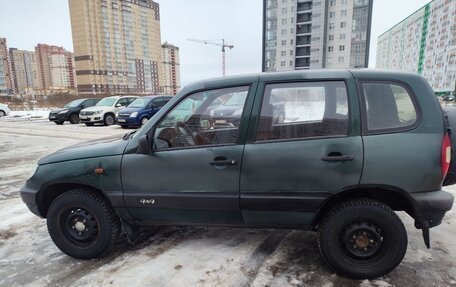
(27, 22)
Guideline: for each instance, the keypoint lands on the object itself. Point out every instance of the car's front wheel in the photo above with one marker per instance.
(109, 120)
(82, 224)
(362, 239)
(2, 113)
(144, 121)
(74, 118)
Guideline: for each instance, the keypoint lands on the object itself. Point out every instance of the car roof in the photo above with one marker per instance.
(310, 74)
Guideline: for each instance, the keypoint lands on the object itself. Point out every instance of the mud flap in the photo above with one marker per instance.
(424, 226)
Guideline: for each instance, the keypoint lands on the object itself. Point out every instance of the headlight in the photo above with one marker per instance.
(98, 112)
(133, 115)
(63, 112)
(237, 112)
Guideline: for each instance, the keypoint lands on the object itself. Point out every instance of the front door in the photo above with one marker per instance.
(304, 147)
(192, 174)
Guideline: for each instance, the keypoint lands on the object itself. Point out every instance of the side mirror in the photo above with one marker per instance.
(118, 105)
(144, 145)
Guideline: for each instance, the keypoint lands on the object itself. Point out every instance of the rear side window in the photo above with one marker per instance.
(388, 106)
(303, 110)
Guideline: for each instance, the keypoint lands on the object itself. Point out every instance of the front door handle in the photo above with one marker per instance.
(222, 162)
(337, 157)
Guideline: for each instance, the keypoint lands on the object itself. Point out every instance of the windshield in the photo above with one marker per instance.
(74, 103)
(236, 100)
(185, 105)
(139, 103)
(106, 102)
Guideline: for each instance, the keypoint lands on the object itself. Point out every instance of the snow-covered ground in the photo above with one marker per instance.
(179, 256)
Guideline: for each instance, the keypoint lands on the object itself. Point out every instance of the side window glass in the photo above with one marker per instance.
(121, 102)
(388, 106)
(303, 110)
(204, 118)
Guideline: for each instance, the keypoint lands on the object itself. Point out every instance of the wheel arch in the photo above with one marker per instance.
(47, 194)
(397, 199)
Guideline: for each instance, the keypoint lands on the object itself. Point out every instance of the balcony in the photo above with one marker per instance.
(302, 40)
(302, 63)
(302, 52)
(303, 29)
(303, 18)
(304, 7)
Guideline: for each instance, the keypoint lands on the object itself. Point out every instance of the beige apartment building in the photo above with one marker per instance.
(6, 85)
(24, 71)
(117, 46)
(171, 63)
(56, 69)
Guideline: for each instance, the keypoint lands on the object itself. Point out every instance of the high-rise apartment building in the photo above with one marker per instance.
(308, 34)
(425, 43)
(171, 68)
(6, 85)
(24, 71)
(117, 46)
(56, 69)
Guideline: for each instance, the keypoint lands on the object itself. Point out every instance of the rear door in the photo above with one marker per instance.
(293, 162)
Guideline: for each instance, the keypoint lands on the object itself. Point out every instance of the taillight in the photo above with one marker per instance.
(446, 154)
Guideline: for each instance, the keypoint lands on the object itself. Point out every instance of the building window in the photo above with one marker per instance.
(331, 26)
(342, 36)
(291, 42)
(291, 52)
(331, 37)
(332, 2)
(341, 59)
(291, 30)
(344, 2)
(330, 48)
(291, 63)
(283, 53)
(284, 11)
(292, 20)
(343, 13)
(284, 21)
(282, 64)
(332, 14)
(284, 31)
(343, 24)
(341, 48)
(284, 42)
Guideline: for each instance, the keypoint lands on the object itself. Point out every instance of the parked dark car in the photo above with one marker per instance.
(355, 147)
(70, 111)
(141, 110)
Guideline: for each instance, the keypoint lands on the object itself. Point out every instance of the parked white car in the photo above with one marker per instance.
(105, 111)
(4, 110)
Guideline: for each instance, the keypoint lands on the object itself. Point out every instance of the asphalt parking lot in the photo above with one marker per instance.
(179, 256)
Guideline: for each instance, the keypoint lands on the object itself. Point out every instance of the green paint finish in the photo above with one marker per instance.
(423, 37)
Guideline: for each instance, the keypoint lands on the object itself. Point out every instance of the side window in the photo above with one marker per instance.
(303, 110)
(159, 103)
(204, 118)
(130, 100)
(122, 102)
(388, 106)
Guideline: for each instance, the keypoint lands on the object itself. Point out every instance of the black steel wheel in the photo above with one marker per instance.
(362, 239)
(82, 224)
(74, 118)
(109, 120)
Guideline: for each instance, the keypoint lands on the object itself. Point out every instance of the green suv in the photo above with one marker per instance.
(351, 148)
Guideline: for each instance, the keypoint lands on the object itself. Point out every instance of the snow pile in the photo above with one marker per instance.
(33, 114)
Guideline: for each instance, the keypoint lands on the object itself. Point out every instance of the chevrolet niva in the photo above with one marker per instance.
(350, 149)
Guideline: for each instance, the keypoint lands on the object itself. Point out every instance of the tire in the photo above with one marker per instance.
(144, 121)
(74, 118)
(89, 124)
(109, 120)
(95, 229)
(362, 239)
(2, 113)
(59, 123)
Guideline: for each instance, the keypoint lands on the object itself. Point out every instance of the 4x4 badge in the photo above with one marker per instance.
(146, 201)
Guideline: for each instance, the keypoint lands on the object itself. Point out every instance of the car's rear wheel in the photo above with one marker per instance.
(82, 224)
(362, 239)
(2, 113)
(74, 118)
(59, 123)
(144, 121)
(108, 120)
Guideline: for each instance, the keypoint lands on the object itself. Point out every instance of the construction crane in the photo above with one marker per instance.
(223, 45)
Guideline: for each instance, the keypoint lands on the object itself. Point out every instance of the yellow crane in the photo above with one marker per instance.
(222, 44)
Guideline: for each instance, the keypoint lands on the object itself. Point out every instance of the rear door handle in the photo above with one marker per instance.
(335, 158)
(223, 162)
